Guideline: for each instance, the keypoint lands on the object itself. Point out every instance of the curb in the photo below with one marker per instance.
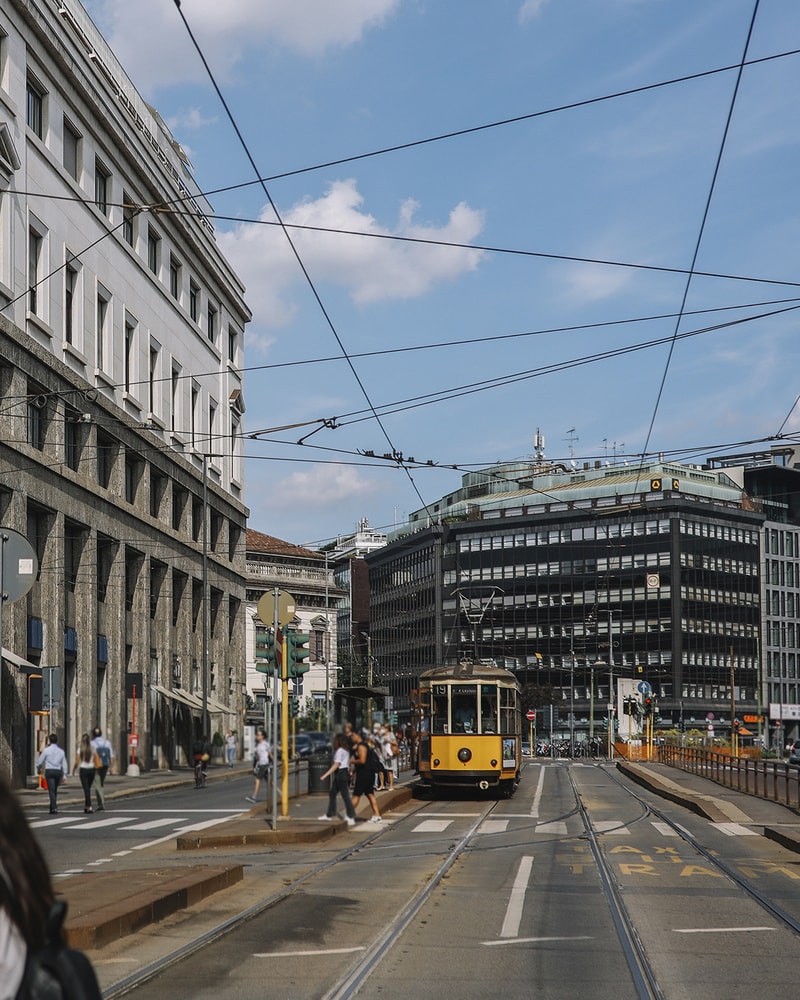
(250, 830)
(715, 810)
(155, 895)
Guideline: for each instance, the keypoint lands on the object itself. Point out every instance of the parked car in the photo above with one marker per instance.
(794, 756)
(526, 748)
(303, 747)
(320, 742)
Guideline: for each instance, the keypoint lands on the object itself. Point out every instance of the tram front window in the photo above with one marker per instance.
(464, 705)
(488, 709)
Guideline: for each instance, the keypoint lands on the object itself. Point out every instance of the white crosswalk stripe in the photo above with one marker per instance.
(735, 830)
(154, 824)
(556, 827)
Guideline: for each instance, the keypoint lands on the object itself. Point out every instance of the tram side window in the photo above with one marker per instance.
(465, 710)
(508, 710)
(488, 709)
(439, 713)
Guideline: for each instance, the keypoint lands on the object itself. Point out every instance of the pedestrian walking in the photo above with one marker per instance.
(85, 761)
(231, 746)
(52, 763)
(365, 777)
(339, 772)
(261, 764)
(105, 758)
(390, 751)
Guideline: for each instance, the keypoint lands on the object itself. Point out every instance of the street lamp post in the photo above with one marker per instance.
(572, 706)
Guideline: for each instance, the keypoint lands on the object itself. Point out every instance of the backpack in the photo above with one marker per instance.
(104, 753)
(56, 972)
(373, 761)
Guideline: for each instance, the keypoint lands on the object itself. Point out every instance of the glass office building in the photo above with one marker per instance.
(572, 577)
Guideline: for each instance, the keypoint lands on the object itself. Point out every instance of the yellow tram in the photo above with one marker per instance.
(468, 724)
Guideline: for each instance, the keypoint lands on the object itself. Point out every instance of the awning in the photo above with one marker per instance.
(178, 694)
(217, 708)
(20, 662)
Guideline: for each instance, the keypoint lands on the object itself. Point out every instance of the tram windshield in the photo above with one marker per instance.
(464, 705)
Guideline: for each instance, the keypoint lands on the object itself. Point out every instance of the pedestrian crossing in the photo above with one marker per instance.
(559, 828)
(134, 821)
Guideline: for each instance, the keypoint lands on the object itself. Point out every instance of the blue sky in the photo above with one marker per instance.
(587, 168)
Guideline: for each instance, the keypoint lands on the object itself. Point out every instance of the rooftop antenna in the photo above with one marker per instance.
(572, 437)
(538, 446)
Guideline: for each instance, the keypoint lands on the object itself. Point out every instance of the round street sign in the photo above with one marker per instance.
(643, 687)
(286, 608)
(530, 715)
(19, 565)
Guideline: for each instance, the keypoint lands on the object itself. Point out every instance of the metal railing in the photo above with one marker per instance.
(767, 778)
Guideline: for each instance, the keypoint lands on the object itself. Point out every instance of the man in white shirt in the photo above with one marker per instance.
(53, 764)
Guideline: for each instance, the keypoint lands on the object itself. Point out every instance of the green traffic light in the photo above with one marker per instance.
(298, 649)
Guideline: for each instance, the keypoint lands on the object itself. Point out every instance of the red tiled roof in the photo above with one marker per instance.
(257, 541)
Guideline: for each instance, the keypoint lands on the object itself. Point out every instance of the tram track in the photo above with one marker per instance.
(369, 959)
(785, 919)
(639, 965)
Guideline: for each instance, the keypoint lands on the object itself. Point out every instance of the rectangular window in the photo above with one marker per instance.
(153, 250)
(106, 456)
(174, 399)
(102, 317)
(231, 344)
(193, 417)
(174, 277)
(35, 246)
(130, 352)
(71, 144)
(70, 302)
(128, 213)
(194, 301)
(152, 377)
(102, 186)
(35, 106)
(212, 323)
(36, 421)
(72, 439)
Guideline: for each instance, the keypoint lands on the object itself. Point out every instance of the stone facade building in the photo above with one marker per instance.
(307, 576)
(121, 330)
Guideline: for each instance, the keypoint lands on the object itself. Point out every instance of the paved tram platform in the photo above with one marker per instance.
(103, 908)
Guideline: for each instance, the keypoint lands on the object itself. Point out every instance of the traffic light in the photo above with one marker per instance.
(648, 705)
(297, 645)
(294, 705)
(736, 725)
(271, 657)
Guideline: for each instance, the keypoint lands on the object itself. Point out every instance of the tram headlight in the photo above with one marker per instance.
(464, 755)
(436, 762)
(493, 763)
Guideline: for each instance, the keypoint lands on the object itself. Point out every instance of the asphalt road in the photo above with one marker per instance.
(521, 911)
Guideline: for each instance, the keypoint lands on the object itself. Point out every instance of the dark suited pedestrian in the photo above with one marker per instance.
(52, 763)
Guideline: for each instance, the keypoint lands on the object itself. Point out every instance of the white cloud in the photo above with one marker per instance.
(530, 10)
(369, 269)
(321, 487)
(151, 41)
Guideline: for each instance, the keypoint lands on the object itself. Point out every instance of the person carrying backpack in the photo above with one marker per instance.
(365, 775)
(36, 964)
(105, 755)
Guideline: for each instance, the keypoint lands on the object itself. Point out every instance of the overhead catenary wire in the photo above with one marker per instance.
(295, 253)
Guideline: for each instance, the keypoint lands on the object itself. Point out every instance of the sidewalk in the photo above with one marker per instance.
(104, 907)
